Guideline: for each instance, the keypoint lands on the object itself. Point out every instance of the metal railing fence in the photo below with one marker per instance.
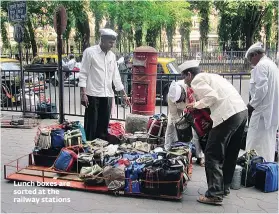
(41, 87)
(213, 62)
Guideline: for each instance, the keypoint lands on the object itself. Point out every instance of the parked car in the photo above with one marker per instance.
(70, 77)
(46, 63)
(11, 84)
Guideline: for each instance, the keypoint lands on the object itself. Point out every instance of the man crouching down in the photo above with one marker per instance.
(177, 100)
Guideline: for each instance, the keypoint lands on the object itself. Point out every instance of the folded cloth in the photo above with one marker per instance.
(178, 152)
(110, 150)
(98, 142)
(178, 144)
(90, 171)
(116, 185)
(146, 158)
(140, 146)
(131, 156)
(112, 173)
(86, 158)
(123, 161)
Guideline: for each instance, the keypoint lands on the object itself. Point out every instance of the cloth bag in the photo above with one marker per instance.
(184, 129)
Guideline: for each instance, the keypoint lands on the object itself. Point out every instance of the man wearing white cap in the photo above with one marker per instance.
(177, 103)
(264, 104)
(229, 116)
(98, 72)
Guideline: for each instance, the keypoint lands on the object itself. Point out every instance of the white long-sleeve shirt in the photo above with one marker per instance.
(215, 92)
(71, 64)
(98, 71)
(264, 91)
(176, 109)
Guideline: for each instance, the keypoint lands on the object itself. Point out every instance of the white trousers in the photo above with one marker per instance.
(262, 140)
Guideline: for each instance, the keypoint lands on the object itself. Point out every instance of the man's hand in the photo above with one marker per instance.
(84, 100)
(126, 100)
(190, 106)
(250, 110)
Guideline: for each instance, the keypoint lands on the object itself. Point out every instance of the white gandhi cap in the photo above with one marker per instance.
(189, 64)
(174, 92)
(108, 32)
(253, 48)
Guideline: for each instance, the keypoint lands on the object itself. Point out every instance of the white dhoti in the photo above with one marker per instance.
(170, 136)
(195, 140)
(262, 140)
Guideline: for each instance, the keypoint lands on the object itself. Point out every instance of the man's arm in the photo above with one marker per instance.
(261, 87)
(118, 84)
(83, 74)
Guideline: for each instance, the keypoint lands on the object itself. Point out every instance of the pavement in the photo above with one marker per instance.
(17, 142)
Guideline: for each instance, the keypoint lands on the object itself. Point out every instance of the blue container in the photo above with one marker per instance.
(57, 138)
(267, 176)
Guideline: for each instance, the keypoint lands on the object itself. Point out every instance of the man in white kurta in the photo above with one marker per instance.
(176, 90)
(177, 97)
(264, 103)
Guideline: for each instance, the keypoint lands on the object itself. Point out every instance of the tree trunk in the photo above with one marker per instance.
(97, 29)
(26, 56)
(32, 37)
(138, 35)
(276, 39)
(202, 46)
(67, 43)
(170, 32)
(86, 35)
(150, 37)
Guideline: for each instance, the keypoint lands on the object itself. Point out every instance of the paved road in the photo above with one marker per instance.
(18, 142)
(72, 99)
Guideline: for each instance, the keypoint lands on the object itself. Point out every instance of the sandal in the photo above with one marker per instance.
(213, 201)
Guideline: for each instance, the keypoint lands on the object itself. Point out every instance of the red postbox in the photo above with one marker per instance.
(144, 80)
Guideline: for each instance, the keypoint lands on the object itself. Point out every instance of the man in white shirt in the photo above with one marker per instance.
(177, 97)
(71, 64)
(98, 72)
(176, 105)
(229, 116)
(264, 104)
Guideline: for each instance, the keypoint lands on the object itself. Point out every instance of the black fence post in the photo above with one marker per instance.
(22, 80)
(60, 71)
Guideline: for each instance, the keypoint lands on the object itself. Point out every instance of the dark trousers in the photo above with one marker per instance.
(221, 153)
(97, 116)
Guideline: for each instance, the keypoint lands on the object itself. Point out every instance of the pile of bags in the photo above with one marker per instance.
(256, 172)
(124, 162)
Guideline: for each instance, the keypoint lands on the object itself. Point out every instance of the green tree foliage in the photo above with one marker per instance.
(4, 33)
(204, 8)
(98, 9)
(242, 21)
